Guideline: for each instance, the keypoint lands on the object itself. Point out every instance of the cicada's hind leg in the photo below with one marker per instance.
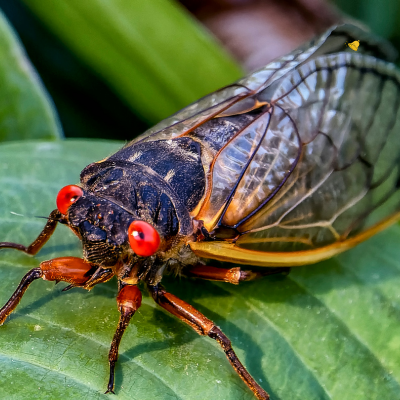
(233, 275)
(204, 326)
(54, 217)
(129, 300)
(73, 270)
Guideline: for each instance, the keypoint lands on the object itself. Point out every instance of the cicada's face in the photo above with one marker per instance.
(102, 227)
(109, 234)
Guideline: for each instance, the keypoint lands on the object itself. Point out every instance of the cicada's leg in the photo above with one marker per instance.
(100, 275)
(54, 217)
(68, 269)
(233, 275)
(9, 307)
(204, 326)
(129, 300)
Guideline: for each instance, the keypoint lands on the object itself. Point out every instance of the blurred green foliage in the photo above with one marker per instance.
(152, 53)
(124, 66)
(26, 110)
(382, 17)
(91, 103)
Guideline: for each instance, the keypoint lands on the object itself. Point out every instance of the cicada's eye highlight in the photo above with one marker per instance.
(66, 196)
(143, 238)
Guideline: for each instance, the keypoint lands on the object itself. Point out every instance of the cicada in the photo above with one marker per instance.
(289, 166)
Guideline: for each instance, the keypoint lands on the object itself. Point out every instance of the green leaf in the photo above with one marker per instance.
(26, 111)
(382, 18)
(327, 331)
(152, 53)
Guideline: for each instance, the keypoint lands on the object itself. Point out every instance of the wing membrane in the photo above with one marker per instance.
(321, 165)
(346, 110)
(331, 41)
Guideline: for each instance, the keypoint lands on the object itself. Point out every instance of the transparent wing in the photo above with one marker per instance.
(321, 165)
(222, 101)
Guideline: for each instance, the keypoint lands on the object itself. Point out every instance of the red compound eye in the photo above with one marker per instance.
(143, 238)
(66, 196)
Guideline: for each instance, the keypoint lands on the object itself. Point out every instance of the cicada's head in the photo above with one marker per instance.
(104, 227)
(124, 227)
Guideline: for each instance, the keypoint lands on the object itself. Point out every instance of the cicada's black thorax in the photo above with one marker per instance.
(157, 182)
(176, 162)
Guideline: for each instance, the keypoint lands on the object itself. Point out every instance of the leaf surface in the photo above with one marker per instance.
(327, 331)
